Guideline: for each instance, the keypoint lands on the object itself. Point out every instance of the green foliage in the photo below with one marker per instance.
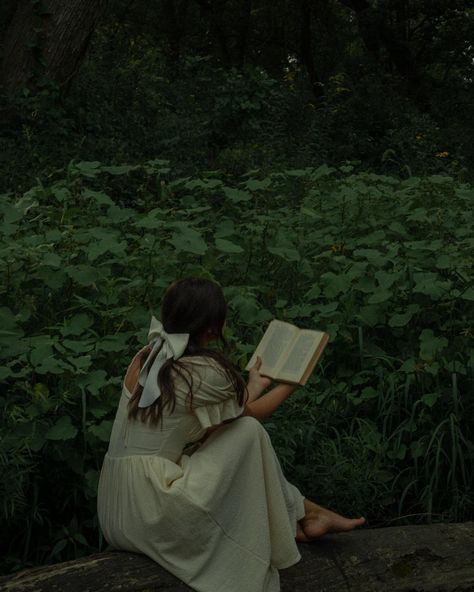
(384, 427)
(127, 105)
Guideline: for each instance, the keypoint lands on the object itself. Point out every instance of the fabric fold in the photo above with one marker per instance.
(215, 414)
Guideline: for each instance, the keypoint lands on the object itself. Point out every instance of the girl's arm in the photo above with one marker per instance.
(269, 402)
(258, 405)
(262, 406)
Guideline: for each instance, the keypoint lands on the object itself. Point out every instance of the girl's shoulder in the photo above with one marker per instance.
(206, 368)
(201, 362)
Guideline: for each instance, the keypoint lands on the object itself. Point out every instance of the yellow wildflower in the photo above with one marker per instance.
(442, 154)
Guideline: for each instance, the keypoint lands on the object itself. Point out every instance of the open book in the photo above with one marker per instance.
(289, 354)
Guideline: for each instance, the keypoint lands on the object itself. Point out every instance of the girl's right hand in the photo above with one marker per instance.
(257, 382)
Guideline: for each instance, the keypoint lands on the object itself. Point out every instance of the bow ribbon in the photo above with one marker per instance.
(172, 346)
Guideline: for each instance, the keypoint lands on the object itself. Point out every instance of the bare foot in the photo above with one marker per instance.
(300, 535)
(319, 521)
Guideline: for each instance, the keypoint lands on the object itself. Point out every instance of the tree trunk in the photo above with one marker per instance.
(306, 48)
(175, 14)
(213, 10)
(376, 31)
(429, 558)
(47, 39)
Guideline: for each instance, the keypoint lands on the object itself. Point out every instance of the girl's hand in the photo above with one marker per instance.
(257, 383)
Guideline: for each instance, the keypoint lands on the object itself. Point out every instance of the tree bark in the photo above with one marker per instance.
(428, 558)
(47, 39)
(376, 32)
(213, 10)
(175, 15)
(306, 48)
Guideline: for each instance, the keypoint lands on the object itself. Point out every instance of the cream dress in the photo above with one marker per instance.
(222, 518)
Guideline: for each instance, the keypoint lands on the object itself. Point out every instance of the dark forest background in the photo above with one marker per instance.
(236, 84)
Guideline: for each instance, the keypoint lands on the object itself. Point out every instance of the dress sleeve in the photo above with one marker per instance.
(214, 397)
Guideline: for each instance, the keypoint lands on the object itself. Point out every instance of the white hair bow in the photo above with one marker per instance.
(172, 346)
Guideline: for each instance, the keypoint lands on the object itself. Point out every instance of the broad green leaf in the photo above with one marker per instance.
(93, 381)
(87, 168)
(189, 241)
(468, 294)
(287, 253)
(430, 399)
(76, 325)
(402, 319)
(62, 430)
(335, 284)
(236, 195)
(227, 246)
(99, 197)
(119, 170)
(102, 431)
(257, 185)
(431, 345)
(379, 296)
(84, 275)
(224, 229)
(51, 260)
(369, 393)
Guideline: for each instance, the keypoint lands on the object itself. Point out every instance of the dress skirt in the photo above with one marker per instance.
(222, 519)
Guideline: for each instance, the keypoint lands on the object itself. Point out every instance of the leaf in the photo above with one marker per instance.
(62, 194)
(408, 366)
(58, 547)
(93, 381)
(112, 343)
(62, 430)
(120, 170)
(430, 345)
(468, 294)
(402, 319)
(100, 197)
(102, 431)
(256, 185)
(369, 393)
(335, 284)
(313, 293)
(77, 325)
(444, 262)
(380, 296)
(81, 363)
(87, 168)
(372, 255)
(224, 228)
(429, 283)
(51, 260)
(77, 346)
(84, 275)
(430, 399)
(40, 352)
(227, 246)
(323, 171)
(385, 280)
(189, 241)
(287, 253)
(236, 195)
(296, 172)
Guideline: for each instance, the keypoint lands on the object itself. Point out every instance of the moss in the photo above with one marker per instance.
(402, 569)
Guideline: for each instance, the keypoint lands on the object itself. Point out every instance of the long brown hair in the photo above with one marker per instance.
(196, 306)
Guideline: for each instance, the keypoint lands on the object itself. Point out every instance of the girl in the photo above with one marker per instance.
(219, 515)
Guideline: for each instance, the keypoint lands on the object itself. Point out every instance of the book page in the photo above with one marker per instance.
(300, 355)
(274, 344)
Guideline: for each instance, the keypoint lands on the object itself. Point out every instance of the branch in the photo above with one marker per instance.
(427, 558)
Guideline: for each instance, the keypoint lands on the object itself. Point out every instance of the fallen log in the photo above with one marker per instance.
(427, 558)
